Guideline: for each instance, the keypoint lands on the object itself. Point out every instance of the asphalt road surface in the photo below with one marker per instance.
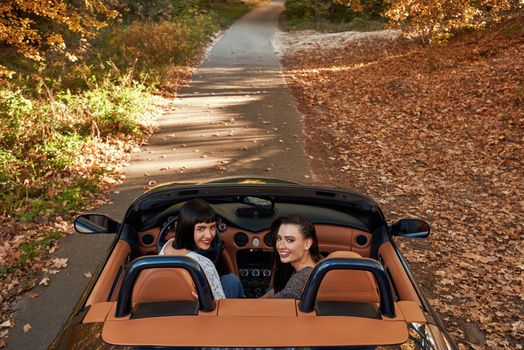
(237, 117)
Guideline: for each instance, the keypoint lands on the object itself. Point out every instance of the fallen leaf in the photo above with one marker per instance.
(27, 327)
(59, 263)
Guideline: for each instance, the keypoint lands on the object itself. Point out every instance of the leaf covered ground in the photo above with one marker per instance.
(434, 132)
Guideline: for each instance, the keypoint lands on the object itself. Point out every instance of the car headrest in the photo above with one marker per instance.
(163, 284)
(344, 254)
(348, 285)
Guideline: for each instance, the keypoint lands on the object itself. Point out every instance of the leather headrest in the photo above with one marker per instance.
(344, 254)
(348, 285)
(165, 284)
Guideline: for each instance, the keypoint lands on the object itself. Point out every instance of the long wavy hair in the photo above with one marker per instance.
(193, 212)
(283, 271)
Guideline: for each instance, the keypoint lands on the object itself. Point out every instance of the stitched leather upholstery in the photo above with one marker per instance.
(167, 284)
(348, 285)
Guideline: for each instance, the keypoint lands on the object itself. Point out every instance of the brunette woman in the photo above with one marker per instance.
(195, 230)
(296, 252)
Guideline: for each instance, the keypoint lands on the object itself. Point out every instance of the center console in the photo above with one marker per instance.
(254, 269)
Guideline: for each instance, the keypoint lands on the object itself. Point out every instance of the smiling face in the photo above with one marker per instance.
(204, 233)
(292, 247)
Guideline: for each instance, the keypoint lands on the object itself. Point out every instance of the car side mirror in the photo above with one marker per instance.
(410, 228)
(95, 223)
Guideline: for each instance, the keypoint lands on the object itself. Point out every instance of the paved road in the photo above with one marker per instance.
(237, 117)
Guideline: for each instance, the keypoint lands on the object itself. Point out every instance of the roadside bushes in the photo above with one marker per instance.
(110, 109)
(42, 138)
(13, 109)
(151, 45)
(333, 15)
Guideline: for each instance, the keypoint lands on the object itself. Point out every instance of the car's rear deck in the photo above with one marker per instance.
(255, 323)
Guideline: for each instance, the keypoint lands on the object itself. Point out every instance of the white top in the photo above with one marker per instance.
(209, 269)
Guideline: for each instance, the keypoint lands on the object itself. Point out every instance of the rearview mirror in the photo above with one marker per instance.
(259, 202)
(95, 223)
(410, 228)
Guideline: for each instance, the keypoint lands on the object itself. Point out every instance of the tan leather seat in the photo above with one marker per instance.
(348, 285)
(166, 284)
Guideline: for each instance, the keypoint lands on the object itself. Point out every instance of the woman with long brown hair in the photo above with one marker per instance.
(296, 252)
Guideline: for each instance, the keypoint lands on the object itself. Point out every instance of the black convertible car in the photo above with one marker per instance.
(360, 296)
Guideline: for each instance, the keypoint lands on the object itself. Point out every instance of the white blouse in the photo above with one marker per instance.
(209, 269)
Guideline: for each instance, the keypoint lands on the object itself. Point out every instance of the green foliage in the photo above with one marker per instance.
(29, 252)
(8, 168)
(69, 198)
(299, 23)
(307, 10)
(332, 15)
(226, 12)
(13, 107)
(60, 150)
(31, 249)
(72, 197)
(365, 25)
(113, 108)
(50, 135)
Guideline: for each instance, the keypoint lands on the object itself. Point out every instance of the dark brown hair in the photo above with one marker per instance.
(283, 271)
(193, 212)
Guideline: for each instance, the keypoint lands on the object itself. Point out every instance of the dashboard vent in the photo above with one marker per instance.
(241, 239)
(361, 240)
(147, 239)
(268, 239)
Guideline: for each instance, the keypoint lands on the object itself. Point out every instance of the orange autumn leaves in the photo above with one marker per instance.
(433, 132)
(33, 26)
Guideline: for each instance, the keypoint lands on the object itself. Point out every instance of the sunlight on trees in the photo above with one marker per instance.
(427, 17)
(32, 27)
(423, 18)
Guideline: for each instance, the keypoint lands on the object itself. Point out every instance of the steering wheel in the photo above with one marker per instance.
(213, 253)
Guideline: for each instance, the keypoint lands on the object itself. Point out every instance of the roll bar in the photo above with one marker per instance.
(205, 295)
(309, 295)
